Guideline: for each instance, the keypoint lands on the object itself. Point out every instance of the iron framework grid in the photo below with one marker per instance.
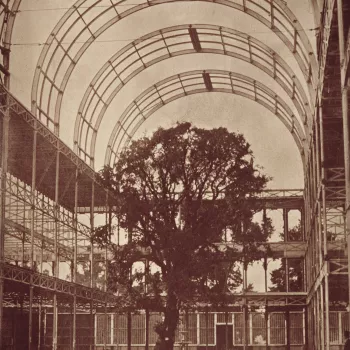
(327, 190)
(171, 42)
(84, 22)
(194, 82)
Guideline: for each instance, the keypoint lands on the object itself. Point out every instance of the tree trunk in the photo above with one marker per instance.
(166, 333)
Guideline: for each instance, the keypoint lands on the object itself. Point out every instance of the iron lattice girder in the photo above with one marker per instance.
(7, 100)
(8, 10)
(70, 163)
(334, 186)
(171, 42)
(46, 284)
(277, 298)
(274, 14)
(317, 281)
(53, 284)
(329, 89)
(17, 234)
(269, 199)
(41, 240)
(338, 266)
(324, 40)
(22, 192)
(275, 250)
(189, 83)
(44, 209)
(293, 300)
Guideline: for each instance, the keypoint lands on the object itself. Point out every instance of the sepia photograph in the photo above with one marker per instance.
(174, 175)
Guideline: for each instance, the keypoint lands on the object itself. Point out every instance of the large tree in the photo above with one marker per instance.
(177, 193)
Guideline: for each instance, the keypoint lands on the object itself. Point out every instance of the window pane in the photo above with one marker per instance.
(238, 329)
(221, 317)
(192, 328)
(120, 329)
(206, 328)
(296, 328)
(258, 328)
(153, 320)
(334, 327)
(138, 329)
(277, 329)
(344, 321)
(103, 329)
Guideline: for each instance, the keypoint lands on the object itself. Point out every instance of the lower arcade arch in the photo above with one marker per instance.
(194, 82)
(56, 63)
(171, 42)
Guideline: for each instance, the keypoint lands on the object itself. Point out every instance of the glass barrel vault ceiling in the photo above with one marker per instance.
(271, 141)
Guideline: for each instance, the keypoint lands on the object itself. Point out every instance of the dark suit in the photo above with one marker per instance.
(347, 345)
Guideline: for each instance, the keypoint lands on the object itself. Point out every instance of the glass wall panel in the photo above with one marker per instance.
(277, 329)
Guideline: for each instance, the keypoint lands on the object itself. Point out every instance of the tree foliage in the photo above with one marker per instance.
(83, 273)
(294, 270)
(176, 192)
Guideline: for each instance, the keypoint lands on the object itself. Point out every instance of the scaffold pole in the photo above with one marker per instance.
(288, 327)
(92, 226)
(92, 284)
(32, 229)
(346, 138)
(105, 324)
(56, 255)
(206, 328)
(147, 318)
(75, 255)
(40, 323)
(4, 164)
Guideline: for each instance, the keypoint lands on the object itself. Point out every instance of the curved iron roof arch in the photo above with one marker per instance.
(172, 42)
(56, 63)
(194, 82)
(8, 12)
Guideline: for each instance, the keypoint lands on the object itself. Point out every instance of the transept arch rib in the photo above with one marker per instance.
(8, 11)
(56, 63)
(194, 82)
(171, 42)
